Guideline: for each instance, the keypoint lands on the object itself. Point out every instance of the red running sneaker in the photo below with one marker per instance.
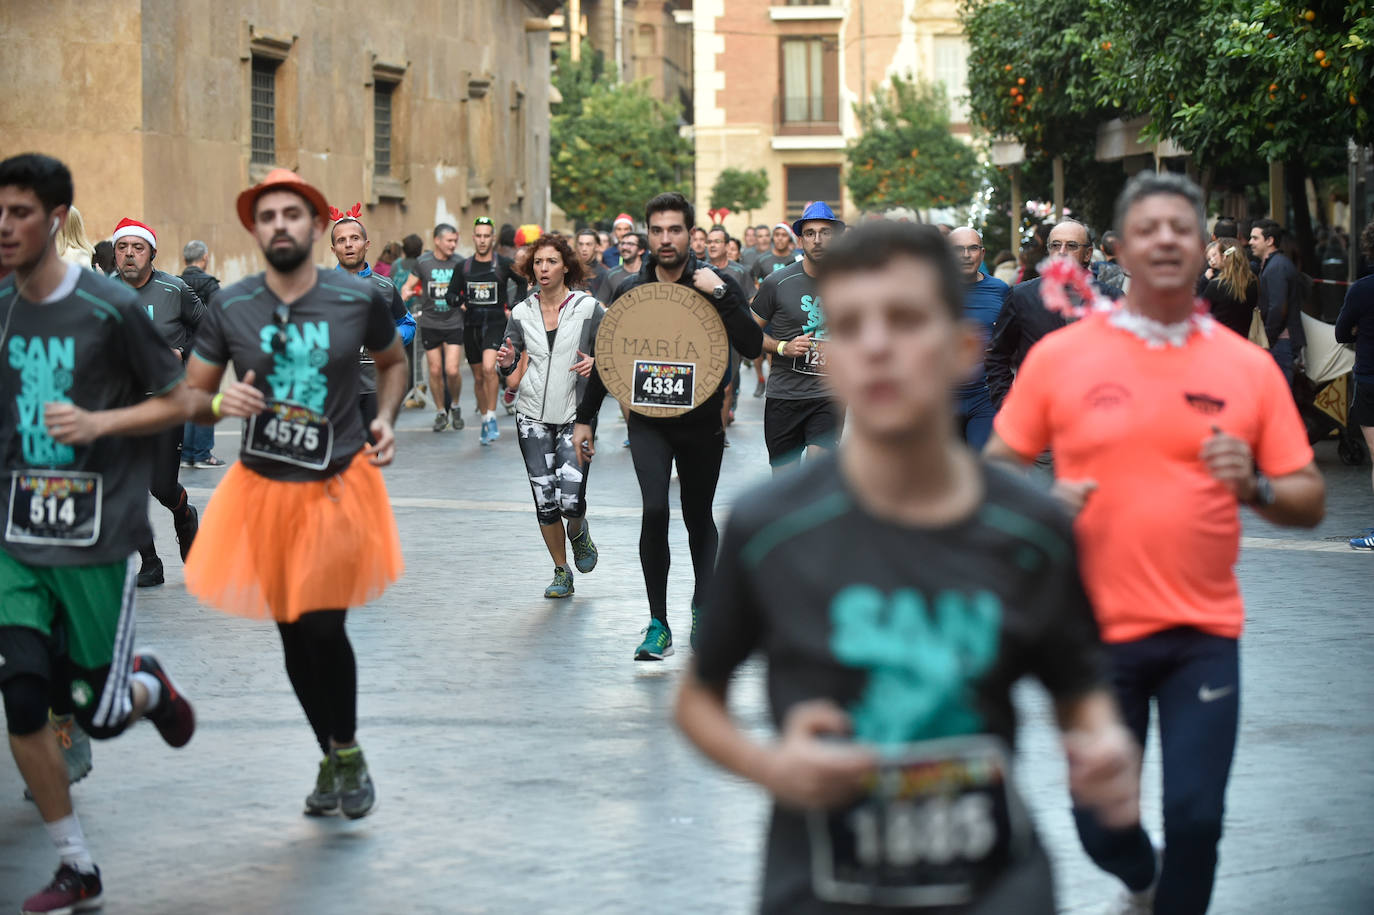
(70, 891)
(174, 717)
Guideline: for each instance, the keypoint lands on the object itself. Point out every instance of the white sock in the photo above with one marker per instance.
(152, 684)
(490, 414)
(70, 843)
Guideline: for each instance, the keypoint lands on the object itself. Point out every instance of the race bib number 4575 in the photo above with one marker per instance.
(936, 825)
(290, 434)
(54, 508)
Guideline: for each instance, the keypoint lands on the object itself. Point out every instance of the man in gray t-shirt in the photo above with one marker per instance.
(441, 326)
(799, 413)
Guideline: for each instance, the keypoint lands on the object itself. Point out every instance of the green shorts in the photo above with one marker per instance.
(86, 612)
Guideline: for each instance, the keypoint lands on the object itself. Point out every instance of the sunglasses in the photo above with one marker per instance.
(280, 317)
(483, 221)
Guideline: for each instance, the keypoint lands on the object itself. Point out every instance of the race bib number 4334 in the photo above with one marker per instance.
(664, 384)
(54, 508)
(936, 824)
(290, 434)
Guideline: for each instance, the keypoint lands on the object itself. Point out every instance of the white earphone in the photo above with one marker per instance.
(56, 221)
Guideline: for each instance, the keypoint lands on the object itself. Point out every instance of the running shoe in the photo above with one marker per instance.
(211, 463)
(440, 421)
(69, 891)
(625, 444)
(482, 437)
(1364, 542)
(1133, 903)
(758, 388)
(584, 551)
(324, 800)
(455, 417)
(493, 431)
(186, 529)
(174, 718)
(562, 584)
(357, 796)
(508, 401)
(727, 440)
(187, 465)
(657, 644)
(150, 576)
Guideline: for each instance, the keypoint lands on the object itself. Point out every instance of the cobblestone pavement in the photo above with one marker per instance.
(526, 764)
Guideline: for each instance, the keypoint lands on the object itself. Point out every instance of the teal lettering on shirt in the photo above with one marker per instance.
(921, 657)
(815, 317)
(297, 373)
(45, 368)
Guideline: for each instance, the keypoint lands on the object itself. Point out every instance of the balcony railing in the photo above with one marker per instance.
(807, 115)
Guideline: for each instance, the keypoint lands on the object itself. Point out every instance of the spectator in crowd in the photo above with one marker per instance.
(72, 244)
(699, 243)
(198, 442)
(505, 240)
(103, 258)
(1280, 294)
(390, 254)
(623, 225)
(1025, 319)
(1110, 273)
(734, 250)
(403, 271)
(1232, 291)
(593, 270)
(1355, 324)
(1034, 251)
(1004, 266)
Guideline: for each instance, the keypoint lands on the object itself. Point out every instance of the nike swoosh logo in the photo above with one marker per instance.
(1212, 695)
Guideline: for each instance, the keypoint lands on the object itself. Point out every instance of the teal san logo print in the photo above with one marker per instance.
(921, 655)
(815, 317)
(297, 374)
(440, 277)
(45, 367)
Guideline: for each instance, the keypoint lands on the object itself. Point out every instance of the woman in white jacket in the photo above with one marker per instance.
(557, 328)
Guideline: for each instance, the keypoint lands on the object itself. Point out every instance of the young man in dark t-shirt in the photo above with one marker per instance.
(781, 255)
(890, 680)
(86, 381)
(441, 326)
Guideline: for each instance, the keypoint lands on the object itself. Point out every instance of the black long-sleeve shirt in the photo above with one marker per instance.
(746, 337)
(1357, 314)
(1023, 321)
(1280, 300)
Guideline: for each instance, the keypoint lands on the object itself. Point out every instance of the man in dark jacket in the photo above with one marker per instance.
(695, 440)
(1280, 295)
(1025, 319)
(197, 447)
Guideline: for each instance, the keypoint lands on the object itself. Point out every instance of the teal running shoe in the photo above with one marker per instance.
(562, 584)
(584, 551)
(657, 644)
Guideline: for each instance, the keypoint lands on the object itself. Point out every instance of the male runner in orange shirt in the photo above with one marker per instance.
(1162, 423)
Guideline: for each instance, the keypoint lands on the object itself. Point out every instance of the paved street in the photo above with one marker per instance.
(525, 764)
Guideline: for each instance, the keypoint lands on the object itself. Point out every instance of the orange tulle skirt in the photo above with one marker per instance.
(275, 550)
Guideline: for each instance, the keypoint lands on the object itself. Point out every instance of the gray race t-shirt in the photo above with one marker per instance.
(317, 368)
(95, 348)
(175, 309)
(771, 263)
(787, 302)
(437, 311)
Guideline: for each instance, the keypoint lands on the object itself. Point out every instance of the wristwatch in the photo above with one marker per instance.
(1264, 492)
(719, 292)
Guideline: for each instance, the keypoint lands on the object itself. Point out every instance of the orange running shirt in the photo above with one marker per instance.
(1159, 538)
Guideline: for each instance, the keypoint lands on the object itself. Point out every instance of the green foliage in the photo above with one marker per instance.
(1032, 73)
(612, 146)
(740, 191)
(906, 155)
(1234, 80)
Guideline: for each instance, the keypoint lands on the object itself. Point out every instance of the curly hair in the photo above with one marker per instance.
(576, 273)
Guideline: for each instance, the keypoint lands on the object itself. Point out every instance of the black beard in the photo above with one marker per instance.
(285, 260)
(673, 259)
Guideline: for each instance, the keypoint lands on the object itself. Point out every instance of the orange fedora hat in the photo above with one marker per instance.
(279, 179)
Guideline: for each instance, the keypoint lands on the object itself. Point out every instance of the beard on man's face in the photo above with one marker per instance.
(286, 258)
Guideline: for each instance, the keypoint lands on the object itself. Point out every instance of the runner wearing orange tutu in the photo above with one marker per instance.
(300, 529)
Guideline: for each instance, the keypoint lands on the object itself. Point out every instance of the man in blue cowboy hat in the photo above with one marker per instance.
(799, 413)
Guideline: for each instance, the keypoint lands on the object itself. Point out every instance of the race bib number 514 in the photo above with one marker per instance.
(54, 508)
(935, 826)
(290, 434)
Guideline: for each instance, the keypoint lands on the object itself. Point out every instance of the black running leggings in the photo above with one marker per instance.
(320, 664)
(164, 485)
(697, 442)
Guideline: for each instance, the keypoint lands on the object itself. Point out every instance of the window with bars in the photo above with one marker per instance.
(383, 93)
(809, 183)
(264, 120)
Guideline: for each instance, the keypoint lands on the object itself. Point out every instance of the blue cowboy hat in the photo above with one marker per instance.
(818, 210)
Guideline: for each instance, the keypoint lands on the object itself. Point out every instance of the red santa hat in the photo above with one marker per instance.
(625, 218)
(132, 227)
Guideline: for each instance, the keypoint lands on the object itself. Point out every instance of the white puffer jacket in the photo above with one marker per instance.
(550, 390)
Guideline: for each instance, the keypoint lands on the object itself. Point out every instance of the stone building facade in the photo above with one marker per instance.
(423, 110)
(775, 83)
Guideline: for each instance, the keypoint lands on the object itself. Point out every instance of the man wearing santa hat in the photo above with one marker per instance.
(622, 226)
(176, 313)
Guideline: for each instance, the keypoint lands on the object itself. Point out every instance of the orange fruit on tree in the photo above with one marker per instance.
(1106, 45)
(1020, 80)
(1325, 64)
(1007, 68)
(1353, 100)
(1273, 87)
(1039, 88)
(1303, 97)
(1320, 54)
(1309, 15)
